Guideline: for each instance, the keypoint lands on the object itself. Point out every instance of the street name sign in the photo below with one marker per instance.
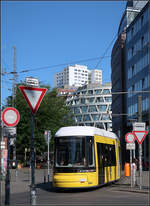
(139, 126)
(130, 146)
(129, 137)
(33, 96)
(9, 131)
(140, 135)
(10, 116)
(33, 82)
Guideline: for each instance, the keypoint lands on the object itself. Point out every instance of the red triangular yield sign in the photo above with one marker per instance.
(33, 96)
(140, 135)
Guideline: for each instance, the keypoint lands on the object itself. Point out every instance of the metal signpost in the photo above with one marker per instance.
(139, 133)
(47, 136)
(130, 138)
(10, 117)
(33, 96)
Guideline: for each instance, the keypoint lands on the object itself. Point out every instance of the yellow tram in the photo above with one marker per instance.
(85, 157)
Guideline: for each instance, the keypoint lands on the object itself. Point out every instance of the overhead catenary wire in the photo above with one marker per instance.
(57, 65)
(105, 52)
(70, 63)
(75, 62)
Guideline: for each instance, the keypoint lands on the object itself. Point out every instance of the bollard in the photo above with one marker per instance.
(32, 195)
(44, 176)
(127, 169)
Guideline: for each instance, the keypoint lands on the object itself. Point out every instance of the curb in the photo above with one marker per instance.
(120, 188)
(136, 191)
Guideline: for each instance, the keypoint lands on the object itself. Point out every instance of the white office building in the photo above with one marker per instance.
(77, 76)
(95, 76)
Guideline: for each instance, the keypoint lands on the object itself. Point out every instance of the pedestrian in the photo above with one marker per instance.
(134, 169)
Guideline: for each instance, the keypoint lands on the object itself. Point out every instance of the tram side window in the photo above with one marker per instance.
(105, 155)
(91, 159)
(113, 155)
(109, 156)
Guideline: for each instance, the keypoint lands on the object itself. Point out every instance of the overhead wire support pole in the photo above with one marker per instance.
(14, 77)
(14, 99)
(140, 145)
(7, 179)
(32, 186)
(0, 134)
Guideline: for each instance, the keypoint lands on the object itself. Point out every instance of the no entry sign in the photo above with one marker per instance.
(129, 137)
(10, 116)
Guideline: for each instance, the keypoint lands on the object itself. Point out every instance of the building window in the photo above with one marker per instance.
(79, 118)
(95, 117)
(105, 117)
(142, 20)
(98, 91)
(99, 99)
(92, 108)
(82, 101)
(142, 41)
(91, 100)
(132, 70)
(90, 91)
(108, 99)
(83, 92)
(86, 117)
(143, 83)
(106, 91)
(76, 110)
(132, 31)
(132, 51)
(84, 109)
(102, 108)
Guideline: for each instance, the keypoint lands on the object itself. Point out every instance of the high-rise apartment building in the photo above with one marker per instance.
(77, 76)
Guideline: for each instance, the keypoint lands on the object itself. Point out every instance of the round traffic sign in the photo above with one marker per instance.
(10, 116)
(129, 137)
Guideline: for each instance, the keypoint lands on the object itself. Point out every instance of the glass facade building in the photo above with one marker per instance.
(130, 59)
(137, 63)
(91, 106)
(138, 71)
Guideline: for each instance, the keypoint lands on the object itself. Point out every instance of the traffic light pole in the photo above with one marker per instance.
(48, 155)
(7, 180)
(32, 186)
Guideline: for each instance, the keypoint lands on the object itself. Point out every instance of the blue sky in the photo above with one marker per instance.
(49, 33)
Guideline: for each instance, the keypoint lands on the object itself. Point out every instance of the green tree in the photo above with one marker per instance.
(51, 115)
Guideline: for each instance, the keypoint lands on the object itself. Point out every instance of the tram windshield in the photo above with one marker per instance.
(74, 152)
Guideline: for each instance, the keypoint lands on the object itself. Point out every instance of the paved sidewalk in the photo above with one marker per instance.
(125, 183)
(21, 182)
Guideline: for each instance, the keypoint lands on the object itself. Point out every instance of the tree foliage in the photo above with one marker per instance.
(51, 115)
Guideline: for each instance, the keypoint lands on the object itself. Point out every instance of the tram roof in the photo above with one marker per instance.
(84, 131)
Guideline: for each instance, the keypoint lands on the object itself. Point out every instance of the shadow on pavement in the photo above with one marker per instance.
(48, 186)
